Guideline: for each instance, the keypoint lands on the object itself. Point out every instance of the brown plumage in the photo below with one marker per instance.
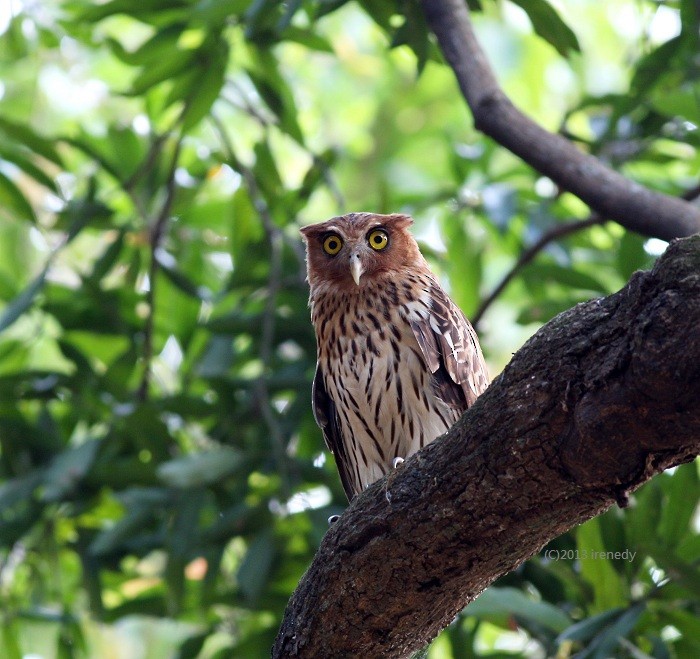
(398, 362)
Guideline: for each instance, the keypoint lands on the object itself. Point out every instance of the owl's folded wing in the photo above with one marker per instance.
(451, 350)
(327, 419)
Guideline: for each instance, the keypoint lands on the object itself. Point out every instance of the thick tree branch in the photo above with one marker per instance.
(602, 398)
(607, 193)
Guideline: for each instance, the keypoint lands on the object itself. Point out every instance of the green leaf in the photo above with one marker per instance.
(291, 7)
(22, 134)
(606, 644)
(588, 628)
(642, 518)
(505, 602)
(464, 264)
(215, 12)
(260, 17)
(108, 258)
(683, 491)
(160, 45)
(631, 255)
(275, 91)
(67, 470)
(161, 70)
(22, 159)
(684, 574)
(127, 528)
(549, 25)
(324, 7)
(23, 301)
(191, 648)
(414, 33)
(654, 66)
(207, 85)
(182, 282)
(380, 11)
(14, 201)
(200, 469)
(93, 13)
(608, 587)
(686, 623)
(254, 571)
(309, 38)
(571, 278)
(10, 640)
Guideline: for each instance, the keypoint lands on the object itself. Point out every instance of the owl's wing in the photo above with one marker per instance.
(327, 419)
(451, 350)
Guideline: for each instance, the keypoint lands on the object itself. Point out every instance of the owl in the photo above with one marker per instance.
(398, 362)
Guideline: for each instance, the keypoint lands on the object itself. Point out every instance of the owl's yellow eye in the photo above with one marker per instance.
(332, 244)
(378, 239)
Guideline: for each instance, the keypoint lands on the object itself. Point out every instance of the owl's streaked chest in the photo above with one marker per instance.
(377, 377)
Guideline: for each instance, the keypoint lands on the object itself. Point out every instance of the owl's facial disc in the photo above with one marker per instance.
(356, 267)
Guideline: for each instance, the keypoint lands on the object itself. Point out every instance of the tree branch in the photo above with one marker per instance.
(607, 192)
(602, 398)
(555, 233)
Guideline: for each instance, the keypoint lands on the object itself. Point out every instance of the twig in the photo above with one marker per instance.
(331, 183)
(244, 104)
(155, 237)
(607, 192)
(276, 238)
(555, 233)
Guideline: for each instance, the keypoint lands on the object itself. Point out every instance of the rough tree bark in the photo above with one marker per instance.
(607, 192)
(602, 398)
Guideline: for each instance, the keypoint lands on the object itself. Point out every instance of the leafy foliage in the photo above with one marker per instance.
(158, 457)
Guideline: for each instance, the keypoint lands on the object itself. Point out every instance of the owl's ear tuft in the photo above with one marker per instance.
(308, 231)
(398, 221)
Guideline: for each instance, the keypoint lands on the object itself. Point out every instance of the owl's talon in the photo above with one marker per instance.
(333, 519)
(396, 462)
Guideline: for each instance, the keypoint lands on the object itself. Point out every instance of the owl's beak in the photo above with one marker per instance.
(356, 268)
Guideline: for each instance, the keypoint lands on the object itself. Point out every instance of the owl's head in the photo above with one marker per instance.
(352, 250)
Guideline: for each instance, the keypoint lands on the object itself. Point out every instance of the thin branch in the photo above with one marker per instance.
(243, 103)
(156, 234)
(276, 239)
(256, 196)
(527, 255)
(331, 183)
(607, 192)
(145, 165)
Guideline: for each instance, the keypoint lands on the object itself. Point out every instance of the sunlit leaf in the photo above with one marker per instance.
(13, 202)
(25, 135)
(548, 24)
(500, 603)
(607, 585)
(201, 468)
(23, 301)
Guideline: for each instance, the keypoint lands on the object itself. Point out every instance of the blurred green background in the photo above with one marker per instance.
(163, 485)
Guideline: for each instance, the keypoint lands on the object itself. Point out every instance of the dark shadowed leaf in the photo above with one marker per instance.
(255, 569)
